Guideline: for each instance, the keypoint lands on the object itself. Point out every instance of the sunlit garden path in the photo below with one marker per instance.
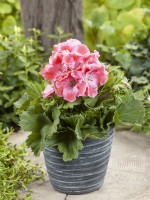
(128, 175)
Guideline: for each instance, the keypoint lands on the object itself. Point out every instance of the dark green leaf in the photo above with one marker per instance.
(33, 122)
(93, 132)
(139, 80)
(68, 144)
(130, 111)
(71, 104)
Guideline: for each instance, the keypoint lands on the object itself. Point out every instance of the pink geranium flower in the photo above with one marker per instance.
(73, 71)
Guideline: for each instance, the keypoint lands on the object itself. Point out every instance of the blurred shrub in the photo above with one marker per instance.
(20, 60)
(15, 171)
(9, 15)
(120, 31)
(115, 22)
(134, 57)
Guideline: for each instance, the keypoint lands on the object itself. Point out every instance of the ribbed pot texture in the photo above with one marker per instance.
(84, 174)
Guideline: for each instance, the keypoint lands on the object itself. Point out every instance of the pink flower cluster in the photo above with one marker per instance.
(73, 71)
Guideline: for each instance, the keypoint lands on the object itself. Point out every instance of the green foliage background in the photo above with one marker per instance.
(120, 31)
(20, 61)
(9, 16)
(134, 57)
(115, 22)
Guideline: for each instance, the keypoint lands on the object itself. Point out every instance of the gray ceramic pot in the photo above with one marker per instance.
(84, 174)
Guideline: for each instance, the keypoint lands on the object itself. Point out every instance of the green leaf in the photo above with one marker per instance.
(53, 36)
(60, 30)
(119, 4)
(36, 124)
(33, 122)
(11, 1)
(130, 110)
(5, 8)
(93, 132)
(75, 122)
(6, 88)
(91, 102)
(71, 120)
(78, 127)
(34, 90)
(139, 80)
(71, 104)
(126, 18)
(99, 15)
(36, 142)
(8, 24)
(19, 104)
(22, 103)
(124, 58)
(41, 127)
(65, 35)
(136, 67)
(68, 144)
(139, 95)
(55, 115)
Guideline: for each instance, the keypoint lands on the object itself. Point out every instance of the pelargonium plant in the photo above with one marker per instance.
(80, 98)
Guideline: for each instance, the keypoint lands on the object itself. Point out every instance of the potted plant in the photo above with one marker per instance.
(71, 116)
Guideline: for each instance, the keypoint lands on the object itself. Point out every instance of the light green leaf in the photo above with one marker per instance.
(17, 4)
(125, 19)
(65, 35)
(8, 24)
(22, 103)
(5, 8)
(11, 1)
(53, 36)
(6, 88)
(139, 95)
(99, 16)
(34, 90)
(119, 4)
(60, 30)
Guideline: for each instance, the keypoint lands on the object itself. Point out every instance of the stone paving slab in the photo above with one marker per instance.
(42, 190)
(127, 178)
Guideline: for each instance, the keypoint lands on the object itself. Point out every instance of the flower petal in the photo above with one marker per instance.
(70, 94)
(92, 89)
(49, 90)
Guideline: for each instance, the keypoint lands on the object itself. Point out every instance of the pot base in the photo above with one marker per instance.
(78, 192)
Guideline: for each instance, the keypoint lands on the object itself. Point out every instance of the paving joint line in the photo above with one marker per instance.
(66, 197)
